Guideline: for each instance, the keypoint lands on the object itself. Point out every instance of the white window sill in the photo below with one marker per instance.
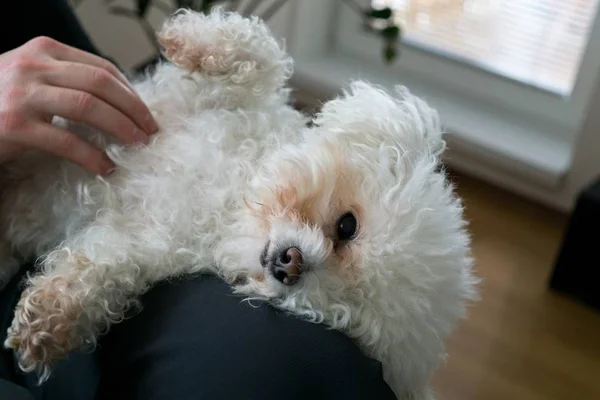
(486, 141)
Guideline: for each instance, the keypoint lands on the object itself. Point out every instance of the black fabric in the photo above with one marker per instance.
(10, 391)
(194, 339)
(8, 298)
(27, 19)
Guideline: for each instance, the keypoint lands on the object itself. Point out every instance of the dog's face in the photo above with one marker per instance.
(360, 205)
(313, 207)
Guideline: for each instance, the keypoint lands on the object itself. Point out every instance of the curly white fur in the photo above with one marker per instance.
(234, 173)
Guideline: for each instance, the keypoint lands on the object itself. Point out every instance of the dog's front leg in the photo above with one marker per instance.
(82, 289)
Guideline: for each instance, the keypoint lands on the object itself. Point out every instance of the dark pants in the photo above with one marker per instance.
(194, 339)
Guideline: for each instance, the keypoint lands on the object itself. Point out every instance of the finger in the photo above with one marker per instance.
(86, 108)
(104, 86)
(64, 52)
(68, 53)
(62, 143)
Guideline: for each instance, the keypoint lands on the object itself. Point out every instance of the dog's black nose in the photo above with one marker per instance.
(287, 266)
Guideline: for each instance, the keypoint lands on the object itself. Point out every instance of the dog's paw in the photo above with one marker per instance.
(225, 45)
(44, 328)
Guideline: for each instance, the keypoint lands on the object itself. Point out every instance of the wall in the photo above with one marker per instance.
(120, 37)
(128, 41)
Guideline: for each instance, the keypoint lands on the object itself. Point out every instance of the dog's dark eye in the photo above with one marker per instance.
(346, 226)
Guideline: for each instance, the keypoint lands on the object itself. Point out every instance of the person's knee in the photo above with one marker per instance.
(199, 338)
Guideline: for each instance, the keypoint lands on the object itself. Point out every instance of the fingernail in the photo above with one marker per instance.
(139, 136)
(151, 124)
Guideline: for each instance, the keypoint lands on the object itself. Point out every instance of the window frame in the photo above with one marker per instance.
(419, 63)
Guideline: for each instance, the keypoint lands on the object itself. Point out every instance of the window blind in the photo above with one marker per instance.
(536, 42)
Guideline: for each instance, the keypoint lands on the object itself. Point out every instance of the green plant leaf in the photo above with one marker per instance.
(381, 13)
(391, 32)
(185, 3)
(389, 52)
(142, 7)
(207, 5)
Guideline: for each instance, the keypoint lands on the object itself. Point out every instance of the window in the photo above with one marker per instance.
(537, 60)
(536, 42)
(513, 80)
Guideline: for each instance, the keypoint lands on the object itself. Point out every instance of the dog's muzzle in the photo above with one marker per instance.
(284, 263)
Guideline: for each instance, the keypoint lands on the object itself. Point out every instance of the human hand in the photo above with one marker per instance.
(44, 78)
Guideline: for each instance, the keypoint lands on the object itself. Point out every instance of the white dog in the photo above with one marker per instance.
(347, 223)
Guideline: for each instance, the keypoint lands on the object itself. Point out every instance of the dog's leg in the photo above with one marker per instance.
(237, 55)
(83, 288)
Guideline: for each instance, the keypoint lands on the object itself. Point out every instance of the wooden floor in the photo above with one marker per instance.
(521, 341)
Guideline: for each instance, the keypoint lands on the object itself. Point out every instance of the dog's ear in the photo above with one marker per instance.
(368, 115)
